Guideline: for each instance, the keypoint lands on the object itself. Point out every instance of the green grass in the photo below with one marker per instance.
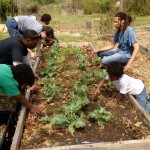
(144, 20)
(3, 36)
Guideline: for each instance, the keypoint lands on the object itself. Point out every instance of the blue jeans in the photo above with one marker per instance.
(112, 56)
(142, 99)
(12, 27)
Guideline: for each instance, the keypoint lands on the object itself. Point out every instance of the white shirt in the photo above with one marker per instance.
(128, 85)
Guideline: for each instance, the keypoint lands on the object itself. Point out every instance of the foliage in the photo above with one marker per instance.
(73, 116)
(95, 61)
(140, 7)
(51, 91)
(101, 75)
(82, 62)
(43, 2)
(85, 77)
(45, 119)
(7, 7)
(100, 115)
(96, 6)
(80, 89)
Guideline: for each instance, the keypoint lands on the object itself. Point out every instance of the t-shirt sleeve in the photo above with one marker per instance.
(11, 90)
(132, 37)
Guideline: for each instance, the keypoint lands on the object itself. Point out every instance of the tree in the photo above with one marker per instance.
(7, 7)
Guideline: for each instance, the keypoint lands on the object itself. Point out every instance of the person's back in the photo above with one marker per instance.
(27, 22)
(8, 48)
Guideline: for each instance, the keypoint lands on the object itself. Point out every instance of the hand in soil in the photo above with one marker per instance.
(34, 87)
(97, 91)
(35, 110)
(112, 103)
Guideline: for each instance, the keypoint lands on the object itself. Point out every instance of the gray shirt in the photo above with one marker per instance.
(27, 22)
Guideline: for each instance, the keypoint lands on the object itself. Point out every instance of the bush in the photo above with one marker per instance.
(96, 6)
(7, 7)
(140, 7)
(45, 1)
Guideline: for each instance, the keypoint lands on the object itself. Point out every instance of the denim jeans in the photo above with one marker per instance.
(112, 56)
(142, 99)
(12, 27)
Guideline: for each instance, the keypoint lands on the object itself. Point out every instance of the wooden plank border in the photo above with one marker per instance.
(119, 145)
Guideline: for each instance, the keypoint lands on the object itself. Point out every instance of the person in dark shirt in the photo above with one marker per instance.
(14, 48)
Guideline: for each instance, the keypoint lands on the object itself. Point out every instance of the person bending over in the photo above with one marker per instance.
(125, 85)
(14, 48)
(46, 18)
(18, 24)
(128, 46)
(12, 79)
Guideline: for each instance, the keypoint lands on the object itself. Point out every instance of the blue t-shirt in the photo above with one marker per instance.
(125, 41)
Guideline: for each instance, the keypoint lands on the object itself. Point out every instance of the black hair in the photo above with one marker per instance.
(49, 31)
(115, 69)
(46, 17)
(23, 74)
(127, 19)
(30, 34)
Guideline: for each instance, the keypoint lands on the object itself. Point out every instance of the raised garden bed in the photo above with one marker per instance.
(124, 124)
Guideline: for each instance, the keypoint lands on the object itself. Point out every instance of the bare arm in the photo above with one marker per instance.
(136, 50)
(33, 109)
(102, 82)
(111, 46)
(32, 54)
(39, 48)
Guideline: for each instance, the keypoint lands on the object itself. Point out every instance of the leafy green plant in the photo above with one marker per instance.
(59, 119)
(80, 89)
(45, 119)
(96, 61)
(100, 115)
(78, 52)
(51, 91)
(73, 116)
(82, 62)
(85, 77)
(100, 74)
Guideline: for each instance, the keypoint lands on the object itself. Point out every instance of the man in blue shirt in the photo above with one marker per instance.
(128, 46)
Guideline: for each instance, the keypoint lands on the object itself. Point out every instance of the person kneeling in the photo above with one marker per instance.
(125, 84)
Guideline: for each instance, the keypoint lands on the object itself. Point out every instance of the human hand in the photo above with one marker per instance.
(35, 110)
(126, 67)
(94, 52)
(97, 91)
(33, 55)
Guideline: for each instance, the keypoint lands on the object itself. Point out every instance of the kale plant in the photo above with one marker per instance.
(100, 115)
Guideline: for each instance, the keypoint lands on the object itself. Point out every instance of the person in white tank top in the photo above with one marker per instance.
(125, 85)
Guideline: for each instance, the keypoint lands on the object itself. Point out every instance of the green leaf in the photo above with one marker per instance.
(71, 129)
